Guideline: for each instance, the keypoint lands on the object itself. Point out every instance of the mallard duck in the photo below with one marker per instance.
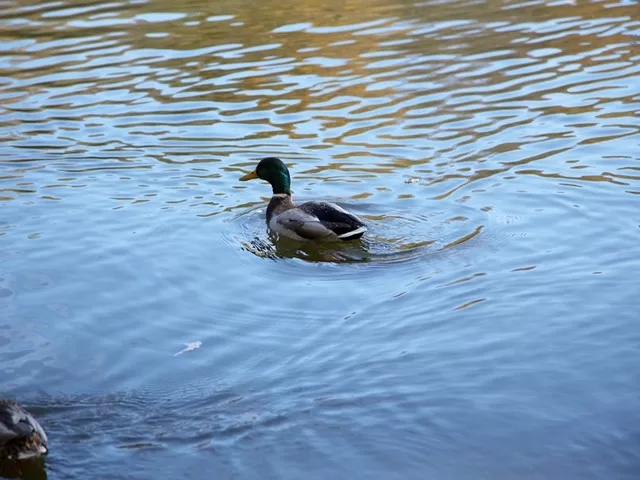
(322, 221)
(21, 436)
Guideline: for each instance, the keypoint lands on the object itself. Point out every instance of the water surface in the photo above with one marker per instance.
(486, 327)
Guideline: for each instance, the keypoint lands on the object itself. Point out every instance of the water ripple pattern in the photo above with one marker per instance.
(485, 327)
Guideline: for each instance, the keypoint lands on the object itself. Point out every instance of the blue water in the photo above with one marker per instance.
(486, 326)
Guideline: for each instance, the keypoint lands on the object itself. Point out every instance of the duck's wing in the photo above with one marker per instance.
(16, 422)
(321, 221)
(13, 422)
(299, 225)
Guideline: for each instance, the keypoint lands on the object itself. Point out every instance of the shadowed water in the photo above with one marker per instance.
(485, 327)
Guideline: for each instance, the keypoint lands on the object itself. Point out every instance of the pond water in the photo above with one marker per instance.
(486, 327)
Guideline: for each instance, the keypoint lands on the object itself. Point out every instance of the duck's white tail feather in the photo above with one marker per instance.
(353, 233)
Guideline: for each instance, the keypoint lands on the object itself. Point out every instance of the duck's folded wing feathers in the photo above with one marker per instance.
(303, 224)
(14, 423)
(318, 220)
(334, 217)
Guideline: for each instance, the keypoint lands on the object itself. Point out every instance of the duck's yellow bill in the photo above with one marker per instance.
(249, 176)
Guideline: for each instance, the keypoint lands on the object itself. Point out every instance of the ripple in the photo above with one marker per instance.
(396, 236)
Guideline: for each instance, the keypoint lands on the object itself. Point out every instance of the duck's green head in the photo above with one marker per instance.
(274, 171)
